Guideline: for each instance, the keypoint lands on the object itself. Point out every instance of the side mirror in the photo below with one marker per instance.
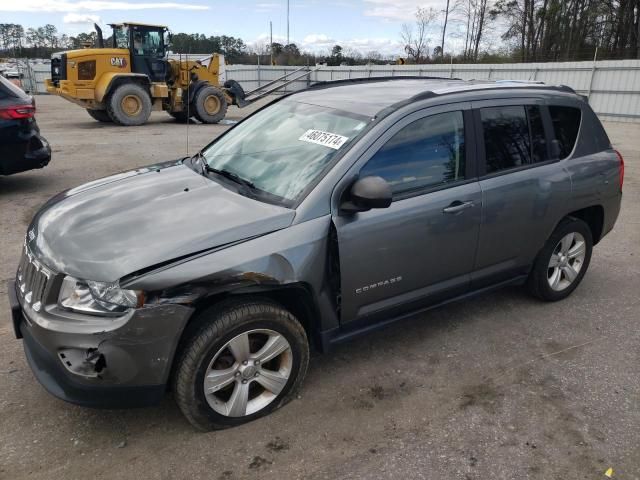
(367, 193)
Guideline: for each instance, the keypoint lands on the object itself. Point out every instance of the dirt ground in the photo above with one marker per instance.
(500, 387)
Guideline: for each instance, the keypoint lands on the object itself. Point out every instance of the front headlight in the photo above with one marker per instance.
(97, 298)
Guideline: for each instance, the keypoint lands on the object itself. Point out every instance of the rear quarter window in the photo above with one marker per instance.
(8, 89)
(566, 124)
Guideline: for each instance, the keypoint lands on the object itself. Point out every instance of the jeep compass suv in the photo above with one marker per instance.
(323, 215)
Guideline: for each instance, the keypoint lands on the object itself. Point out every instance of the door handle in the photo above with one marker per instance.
(457, 207)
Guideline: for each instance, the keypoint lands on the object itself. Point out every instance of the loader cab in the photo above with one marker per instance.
(147, 46)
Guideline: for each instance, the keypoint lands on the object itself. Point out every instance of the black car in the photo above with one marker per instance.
(21, 145)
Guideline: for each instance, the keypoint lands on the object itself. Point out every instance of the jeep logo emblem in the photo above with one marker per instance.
(118, 62)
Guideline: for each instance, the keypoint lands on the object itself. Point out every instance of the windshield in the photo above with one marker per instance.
(284, 148)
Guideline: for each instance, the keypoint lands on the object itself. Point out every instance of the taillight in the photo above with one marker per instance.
(17, 112)
(621, 168)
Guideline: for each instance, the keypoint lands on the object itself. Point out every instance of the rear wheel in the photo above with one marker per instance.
(562, 262)
(99, 115)
(210, 105)
(129, 105)
(180, 117)
(246, 361)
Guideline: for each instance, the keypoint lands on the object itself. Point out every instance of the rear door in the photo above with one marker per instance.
(423, 246)
(523, 187)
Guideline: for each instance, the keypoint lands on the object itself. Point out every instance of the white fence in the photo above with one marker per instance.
(613, 86)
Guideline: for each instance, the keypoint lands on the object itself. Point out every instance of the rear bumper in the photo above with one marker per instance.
(611, 213)
(19, 157)
(108, 370)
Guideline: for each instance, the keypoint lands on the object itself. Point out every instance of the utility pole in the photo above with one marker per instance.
(287, 22)
(271, 41)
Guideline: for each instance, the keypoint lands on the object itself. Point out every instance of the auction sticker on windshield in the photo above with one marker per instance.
(331, 140)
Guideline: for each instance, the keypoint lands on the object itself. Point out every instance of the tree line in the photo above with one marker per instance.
(530, 30)
(41, 42)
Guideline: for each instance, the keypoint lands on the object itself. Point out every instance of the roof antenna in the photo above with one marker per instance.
(188, 96)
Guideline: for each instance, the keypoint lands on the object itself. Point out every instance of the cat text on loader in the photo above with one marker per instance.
(125, 81)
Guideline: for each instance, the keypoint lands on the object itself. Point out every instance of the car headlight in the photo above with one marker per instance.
(97, 298)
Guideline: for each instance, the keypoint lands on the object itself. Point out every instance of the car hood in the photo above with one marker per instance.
(118, 225)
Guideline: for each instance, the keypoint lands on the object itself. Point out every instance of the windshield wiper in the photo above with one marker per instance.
(234, 177)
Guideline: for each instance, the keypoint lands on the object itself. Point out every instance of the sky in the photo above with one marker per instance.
(315, 25)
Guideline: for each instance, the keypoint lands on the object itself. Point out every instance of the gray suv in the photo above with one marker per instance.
(326, 214)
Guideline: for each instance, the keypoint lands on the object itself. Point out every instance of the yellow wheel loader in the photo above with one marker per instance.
(124, 82)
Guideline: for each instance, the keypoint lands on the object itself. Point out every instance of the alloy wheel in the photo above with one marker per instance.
(248, 373)
(566, 261)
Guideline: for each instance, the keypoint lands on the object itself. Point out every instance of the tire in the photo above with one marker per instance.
(129, 105)
(562, 263)
(181, 117)
(99, 115)
(214, 347)
(209, 105)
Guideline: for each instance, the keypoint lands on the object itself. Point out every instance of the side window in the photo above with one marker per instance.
(147, 43)
(425, 153)
(513, 136)
(506, 137)
(122, 37)
(539, 151)
(566, 123)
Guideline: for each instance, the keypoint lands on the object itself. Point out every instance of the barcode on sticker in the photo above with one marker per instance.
(331, 140)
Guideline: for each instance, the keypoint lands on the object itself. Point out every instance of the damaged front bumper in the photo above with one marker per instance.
(127, 366)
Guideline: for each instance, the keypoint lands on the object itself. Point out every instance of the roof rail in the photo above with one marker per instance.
(523, 83)
(537, 82)
(383, 78)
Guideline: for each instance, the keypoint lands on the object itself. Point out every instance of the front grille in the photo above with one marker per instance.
(32, 279)
(58, 69)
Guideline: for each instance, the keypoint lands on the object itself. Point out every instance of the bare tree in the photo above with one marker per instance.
(450, 9)
(475, 12)
(414, 37)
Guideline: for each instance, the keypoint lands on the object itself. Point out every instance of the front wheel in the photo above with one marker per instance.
(210, 104)
(562, 262)
(129, 105)
(247, 360)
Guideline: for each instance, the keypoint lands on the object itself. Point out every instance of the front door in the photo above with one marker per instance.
(147, 52)
(423, 246)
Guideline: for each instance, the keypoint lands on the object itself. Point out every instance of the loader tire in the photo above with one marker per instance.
(129, 105)
(181, 117)
(99, 115)
(209, 105)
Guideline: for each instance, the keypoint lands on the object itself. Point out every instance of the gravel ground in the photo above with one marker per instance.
(500, 387)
